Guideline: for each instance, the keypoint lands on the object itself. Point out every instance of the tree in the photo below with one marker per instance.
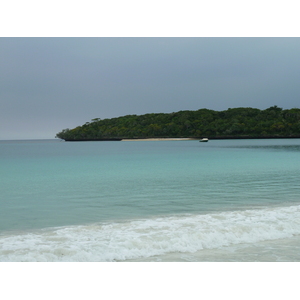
(234, 122)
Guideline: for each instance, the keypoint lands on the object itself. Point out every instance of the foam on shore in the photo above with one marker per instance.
(118, 241)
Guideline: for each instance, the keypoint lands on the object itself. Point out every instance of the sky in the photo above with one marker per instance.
(52, 83)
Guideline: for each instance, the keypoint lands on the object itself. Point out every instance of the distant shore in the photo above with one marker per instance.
(158, 139)
(213, 138)
(186, 139)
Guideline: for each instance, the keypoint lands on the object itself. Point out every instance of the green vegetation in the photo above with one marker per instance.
(232, 123)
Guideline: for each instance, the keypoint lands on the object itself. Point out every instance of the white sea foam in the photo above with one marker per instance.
(149, 237)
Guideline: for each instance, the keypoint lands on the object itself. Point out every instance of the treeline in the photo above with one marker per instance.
(232, 123)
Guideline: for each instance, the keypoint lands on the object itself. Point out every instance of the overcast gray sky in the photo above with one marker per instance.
(49, 84)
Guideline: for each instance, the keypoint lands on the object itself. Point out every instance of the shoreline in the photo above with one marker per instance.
(184, 139)
(158, 139)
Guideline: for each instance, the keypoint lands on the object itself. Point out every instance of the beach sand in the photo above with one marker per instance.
(159, 139)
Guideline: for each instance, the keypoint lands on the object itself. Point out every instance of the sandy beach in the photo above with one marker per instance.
(158, 139)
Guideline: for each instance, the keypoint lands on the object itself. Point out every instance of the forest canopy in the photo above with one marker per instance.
(242, 122)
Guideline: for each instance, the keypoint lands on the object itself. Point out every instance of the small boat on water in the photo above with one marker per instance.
(204, 140)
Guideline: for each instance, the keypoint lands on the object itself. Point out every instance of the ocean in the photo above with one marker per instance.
(158, 201)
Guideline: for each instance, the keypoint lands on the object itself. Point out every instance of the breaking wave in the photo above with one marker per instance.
(144, 238)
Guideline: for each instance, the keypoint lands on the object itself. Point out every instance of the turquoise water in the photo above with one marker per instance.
(225, 200)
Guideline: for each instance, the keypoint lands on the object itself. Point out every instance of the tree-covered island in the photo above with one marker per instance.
(273, 122)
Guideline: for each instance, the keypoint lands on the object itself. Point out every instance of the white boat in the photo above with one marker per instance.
(204, 140)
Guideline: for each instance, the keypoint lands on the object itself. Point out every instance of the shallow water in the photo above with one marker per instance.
(225, 200)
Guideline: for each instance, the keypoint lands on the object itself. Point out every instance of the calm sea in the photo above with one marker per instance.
(225, 200)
